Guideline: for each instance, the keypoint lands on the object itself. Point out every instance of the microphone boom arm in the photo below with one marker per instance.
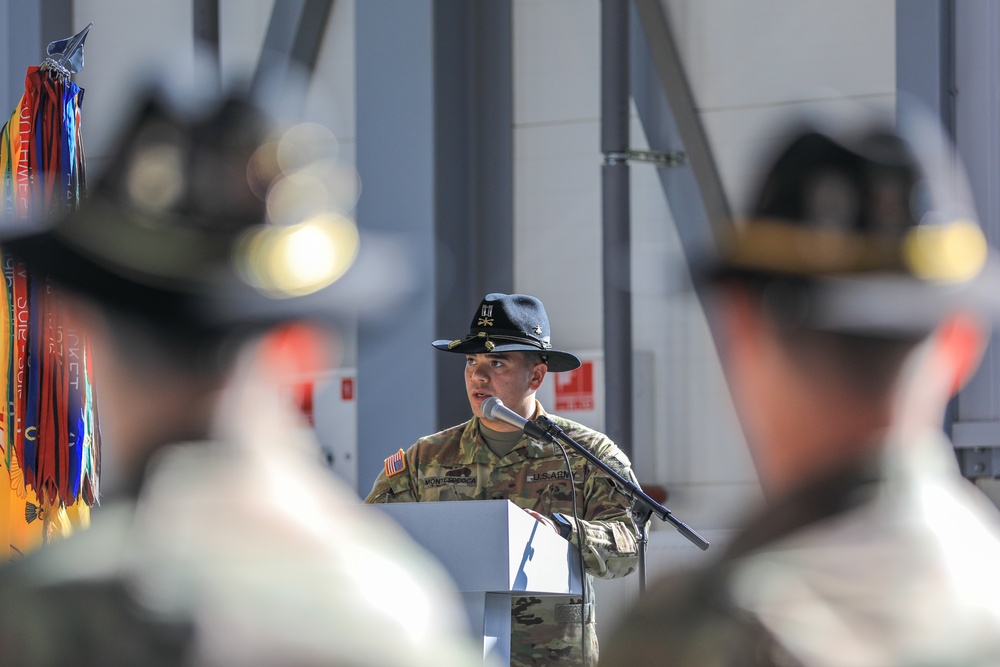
(543, 428)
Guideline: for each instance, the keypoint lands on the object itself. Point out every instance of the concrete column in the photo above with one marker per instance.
(434, 150)
(394, 51)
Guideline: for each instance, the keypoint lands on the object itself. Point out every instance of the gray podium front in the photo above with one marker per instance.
(494, 551)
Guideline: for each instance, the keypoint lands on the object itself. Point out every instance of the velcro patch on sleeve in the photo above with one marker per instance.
(395, 464)
(622, 460)
(625, 542)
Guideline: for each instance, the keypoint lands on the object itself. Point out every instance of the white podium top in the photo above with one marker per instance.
(491, 546)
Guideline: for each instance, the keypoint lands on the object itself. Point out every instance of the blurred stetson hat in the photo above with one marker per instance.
(866, 227)
(207, 215)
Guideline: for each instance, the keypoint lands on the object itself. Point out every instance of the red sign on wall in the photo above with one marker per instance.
(347, 389)
(575, 389)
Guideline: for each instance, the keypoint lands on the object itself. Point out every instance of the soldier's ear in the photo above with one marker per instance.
(296, 350)
(538, 372)
(962, 341)
(935, 371)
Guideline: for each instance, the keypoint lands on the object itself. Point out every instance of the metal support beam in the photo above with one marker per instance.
(474, 155)
(925, 72)
(440, 97)
(670, 119)
(925, 55)
(294, 36)
(205, 21)
(616, 216)
(397, 380)
(656, 158)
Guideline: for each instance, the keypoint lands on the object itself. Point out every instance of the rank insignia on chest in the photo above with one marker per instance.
(395, 464)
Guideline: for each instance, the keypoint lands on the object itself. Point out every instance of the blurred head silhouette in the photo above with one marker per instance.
(861, 244)
(204, 268)
(206, 234)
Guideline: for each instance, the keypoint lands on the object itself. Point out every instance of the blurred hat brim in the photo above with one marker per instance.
(860, 284)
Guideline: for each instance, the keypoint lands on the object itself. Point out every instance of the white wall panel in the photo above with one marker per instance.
(770, 52)
(557, 233)
(555, 50)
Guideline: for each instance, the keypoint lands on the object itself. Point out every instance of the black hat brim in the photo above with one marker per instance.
(557, 360)
(218, 300)
(47, 254)
(885, 305)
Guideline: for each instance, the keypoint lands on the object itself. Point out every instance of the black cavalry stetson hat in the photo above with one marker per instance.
(869, 228)
(511, 323)
(179, 230)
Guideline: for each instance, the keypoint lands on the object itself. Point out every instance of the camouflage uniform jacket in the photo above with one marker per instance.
(456, 464)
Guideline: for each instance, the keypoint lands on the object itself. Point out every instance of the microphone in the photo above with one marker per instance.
(493, 408)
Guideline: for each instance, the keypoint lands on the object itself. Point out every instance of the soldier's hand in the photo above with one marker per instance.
(545, 520)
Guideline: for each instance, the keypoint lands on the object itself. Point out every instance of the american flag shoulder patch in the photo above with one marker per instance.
(395, 464)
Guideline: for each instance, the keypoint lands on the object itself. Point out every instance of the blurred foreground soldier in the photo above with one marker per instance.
(851, 306)
(507, 355)
(225, 543)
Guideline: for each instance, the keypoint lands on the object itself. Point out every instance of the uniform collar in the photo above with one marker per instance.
(474, 449)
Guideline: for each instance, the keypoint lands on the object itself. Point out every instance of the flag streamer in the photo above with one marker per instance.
(50, 437)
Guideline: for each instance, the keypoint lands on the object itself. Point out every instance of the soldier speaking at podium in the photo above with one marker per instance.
(508, 353)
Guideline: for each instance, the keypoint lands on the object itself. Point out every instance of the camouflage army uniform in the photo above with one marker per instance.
(456, 464)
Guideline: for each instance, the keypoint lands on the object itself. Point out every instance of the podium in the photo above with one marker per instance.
(494, 551)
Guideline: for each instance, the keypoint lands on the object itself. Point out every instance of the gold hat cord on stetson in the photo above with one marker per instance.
(952, 252)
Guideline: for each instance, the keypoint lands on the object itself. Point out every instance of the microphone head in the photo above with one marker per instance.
(491, 404)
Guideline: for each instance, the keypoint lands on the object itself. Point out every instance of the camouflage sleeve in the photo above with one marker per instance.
(395, 488)
(609, 537)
